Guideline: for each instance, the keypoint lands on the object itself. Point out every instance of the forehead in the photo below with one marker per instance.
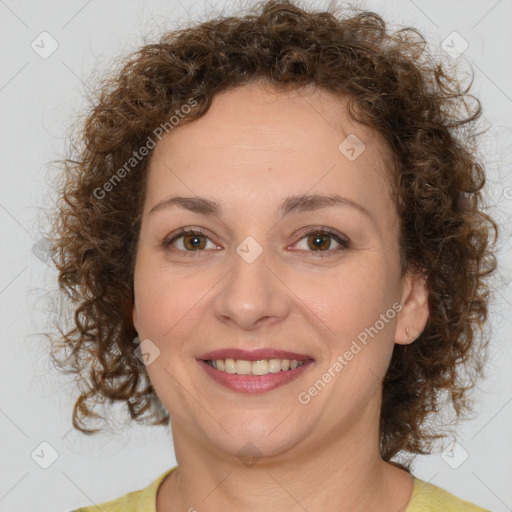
(257, 145)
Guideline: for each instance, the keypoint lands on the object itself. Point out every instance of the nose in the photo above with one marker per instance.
(252, 294)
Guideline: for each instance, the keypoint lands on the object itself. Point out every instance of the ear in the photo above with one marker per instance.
(414, 314)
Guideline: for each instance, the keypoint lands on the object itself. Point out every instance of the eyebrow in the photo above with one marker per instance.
(290, 205)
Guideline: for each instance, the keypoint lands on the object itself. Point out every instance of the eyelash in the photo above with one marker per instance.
(321, 230)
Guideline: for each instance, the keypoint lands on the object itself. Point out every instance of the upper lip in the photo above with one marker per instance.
(252, 355)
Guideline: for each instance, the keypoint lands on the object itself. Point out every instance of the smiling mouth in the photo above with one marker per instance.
(259, 367)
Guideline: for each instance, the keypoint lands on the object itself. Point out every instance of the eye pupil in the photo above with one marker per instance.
(196, 240)
(319, 241)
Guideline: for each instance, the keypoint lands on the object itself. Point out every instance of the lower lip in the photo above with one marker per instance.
(254, 383)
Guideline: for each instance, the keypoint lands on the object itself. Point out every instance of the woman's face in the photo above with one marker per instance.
(260, 276)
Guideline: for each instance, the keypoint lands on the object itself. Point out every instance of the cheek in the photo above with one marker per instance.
(167, 299)
(349, 299)
(357, 321)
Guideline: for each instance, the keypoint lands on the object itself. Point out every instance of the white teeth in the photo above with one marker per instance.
(260, 367)
(229, 365)
(243, 367)
(274, 366)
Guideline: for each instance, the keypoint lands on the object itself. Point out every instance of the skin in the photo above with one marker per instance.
(252, 149)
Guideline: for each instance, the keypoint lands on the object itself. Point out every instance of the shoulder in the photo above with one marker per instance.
(142, 500)
(430, 497)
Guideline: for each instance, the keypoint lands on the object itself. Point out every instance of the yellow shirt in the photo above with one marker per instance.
(425, 498)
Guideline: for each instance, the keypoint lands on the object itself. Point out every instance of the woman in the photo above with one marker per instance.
(274, 239)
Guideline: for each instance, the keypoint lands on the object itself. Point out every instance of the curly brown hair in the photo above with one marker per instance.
(395, 86)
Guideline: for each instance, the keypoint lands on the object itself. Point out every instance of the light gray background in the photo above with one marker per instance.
(39, 99)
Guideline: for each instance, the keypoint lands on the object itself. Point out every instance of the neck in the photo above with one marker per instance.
(342, 472)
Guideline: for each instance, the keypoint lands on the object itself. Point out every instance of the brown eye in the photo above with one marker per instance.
(191, 241)
(320, 241)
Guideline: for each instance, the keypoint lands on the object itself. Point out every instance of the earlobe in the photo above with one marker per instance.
(413, 317)
(409, 337)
